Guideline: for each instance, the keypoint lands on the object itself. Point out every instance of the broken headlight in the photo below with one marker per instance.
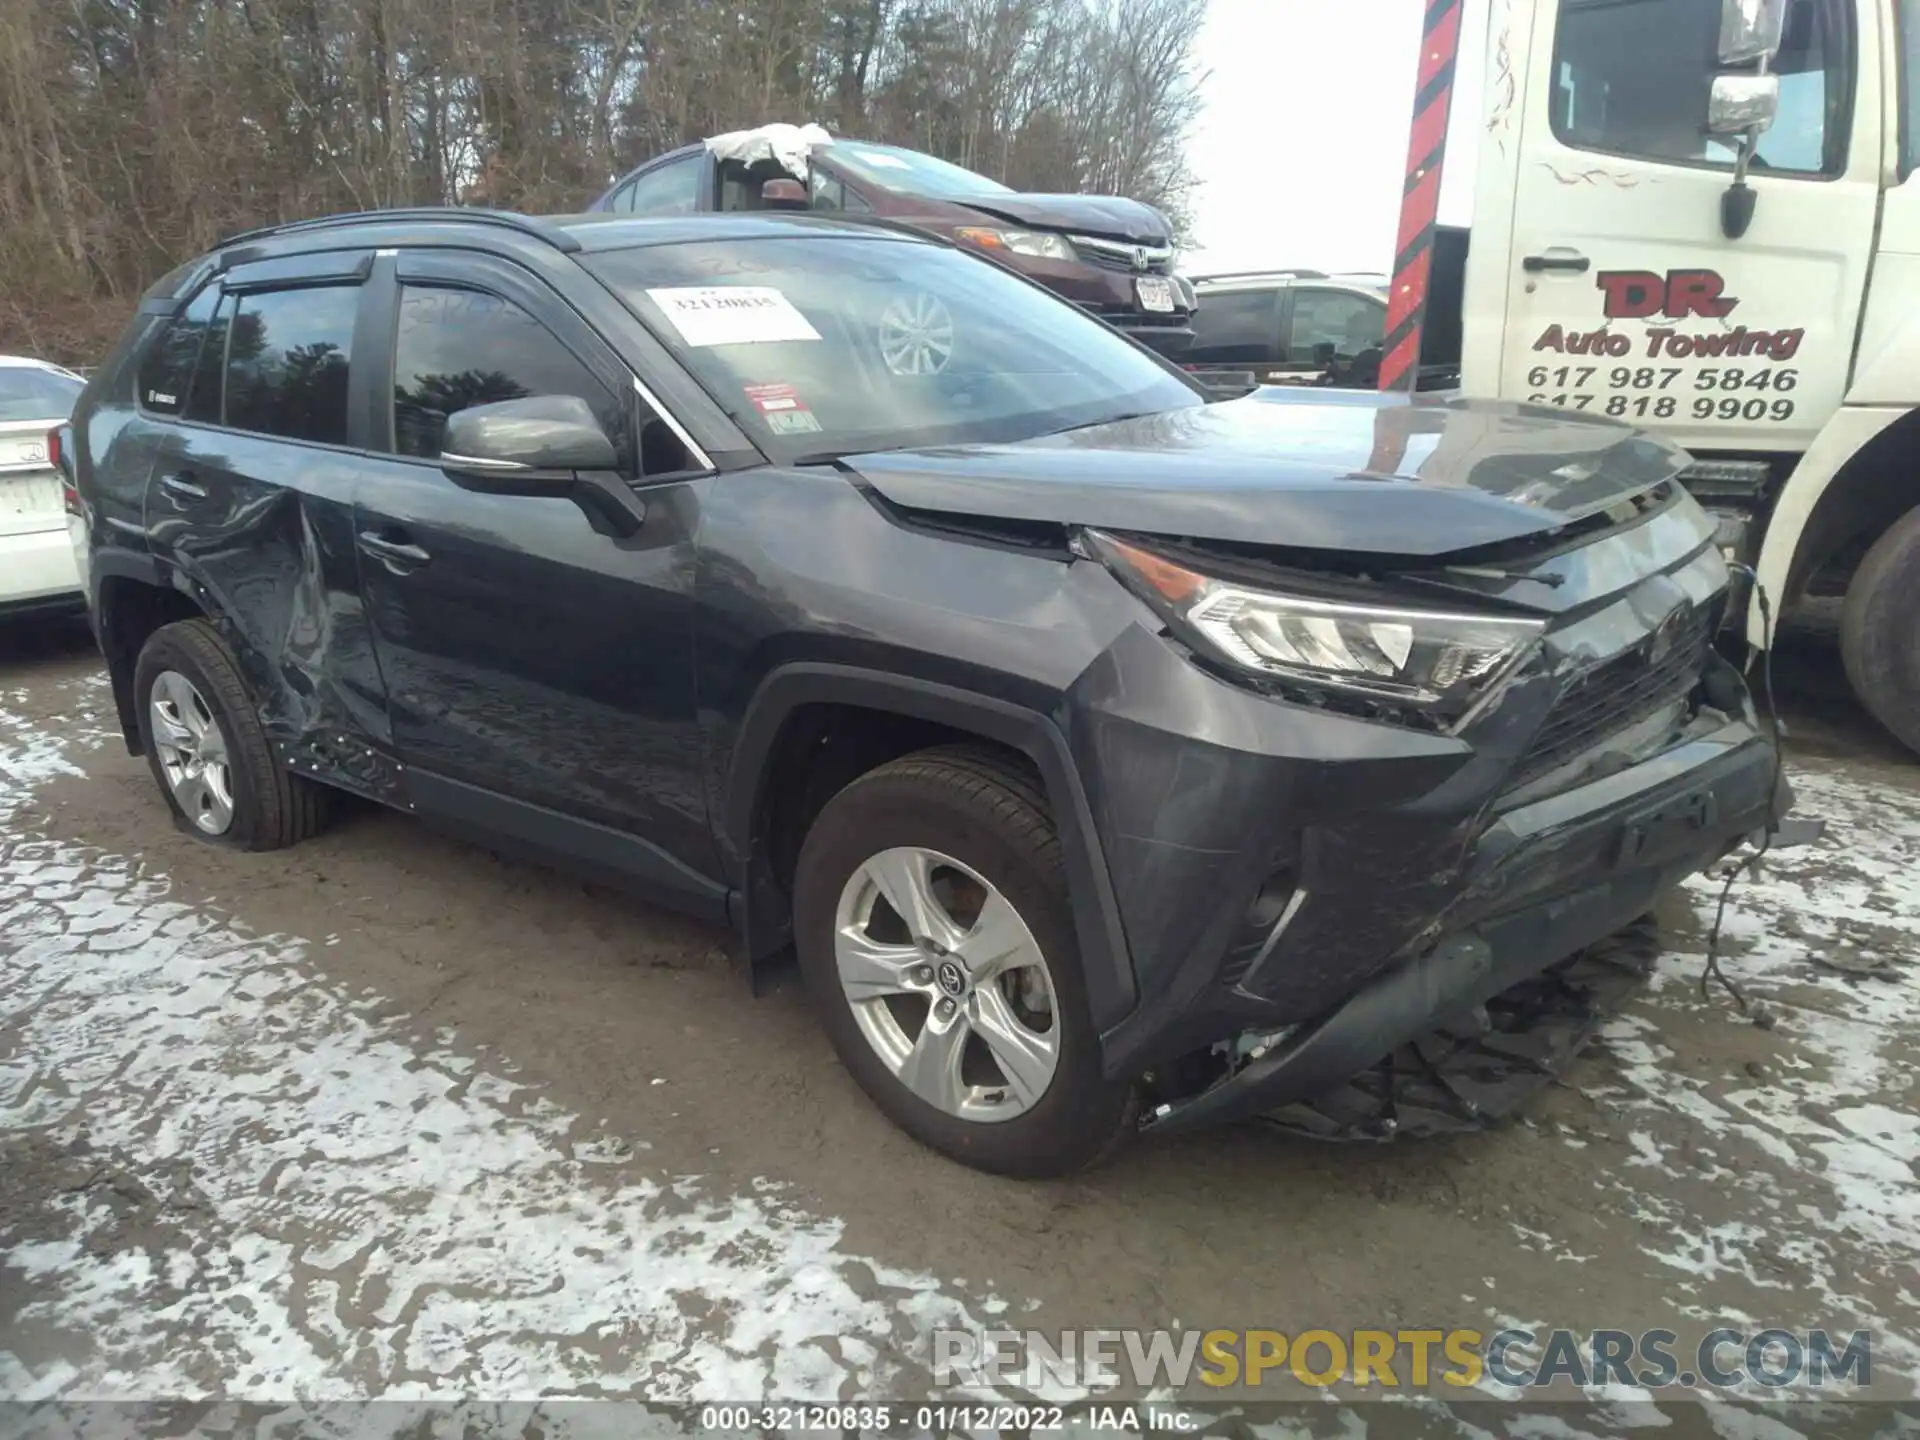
(1442, 663)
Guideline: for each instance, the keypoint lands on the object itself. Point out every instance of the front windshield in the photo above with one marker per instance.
(825, 345)
(29, 393)
(910, 173)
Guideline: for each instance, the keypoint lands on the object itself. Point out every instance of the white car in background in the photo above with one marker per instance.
(37, 571)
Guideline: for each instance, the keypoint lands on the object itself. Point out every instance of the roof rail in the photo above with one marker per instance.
(506, 219)
(1260, 275)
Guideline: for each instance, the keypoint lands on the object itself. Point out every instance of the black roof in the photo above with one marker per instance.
(510, 232)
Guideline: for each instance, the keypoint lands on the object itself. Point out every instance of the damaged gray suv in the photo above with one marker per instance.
(1111, 761)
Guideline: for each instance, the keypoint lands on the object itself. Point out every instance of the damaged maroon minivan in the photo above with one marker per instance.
(1111, 256)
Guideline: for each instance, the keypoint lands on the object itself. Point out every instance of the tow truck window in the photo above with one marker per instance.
(1613, 92)
(1909, 87)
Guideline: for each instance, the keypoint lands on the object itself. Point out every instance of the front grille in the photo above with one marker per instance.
(1617, 694)
(1119, 255)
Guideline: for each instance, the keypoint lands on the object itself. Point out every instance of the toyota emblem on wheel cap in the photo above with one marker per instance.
(952, 978)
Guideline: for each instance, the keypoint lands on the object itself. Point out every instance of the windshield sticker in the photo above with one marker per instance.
(732, 314)
(885, 162)
(784, 412)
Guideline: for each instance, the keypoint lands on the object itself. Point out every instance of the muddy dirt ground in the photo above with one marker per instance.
(386, 1115)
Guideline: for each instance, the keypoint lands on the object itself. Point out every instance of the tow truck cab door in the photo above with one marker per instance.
(1600, 278)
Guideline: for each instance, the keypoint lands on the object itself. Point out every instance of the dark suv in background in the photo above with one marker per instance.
(1112, 257)
(1291, 326)
(1112, 760)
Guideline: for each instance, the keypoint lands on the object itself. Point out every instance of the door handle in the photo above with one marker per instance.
(183, 487)
(397, 555)
(1572, 264)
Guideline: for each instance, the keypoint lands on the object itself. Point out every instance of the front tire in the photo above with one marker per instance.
(1879, 637)
(934, 931)
(207, 750)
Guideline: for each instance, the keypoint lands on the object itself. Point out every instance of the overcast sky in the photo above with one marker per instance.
(1303, 142)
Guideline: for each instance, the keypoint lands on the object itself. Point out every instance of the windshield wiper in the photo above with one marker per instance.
(820, 457)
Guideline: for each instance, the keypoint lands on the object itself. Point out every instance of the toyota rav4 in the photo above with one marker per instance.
(1112, 761)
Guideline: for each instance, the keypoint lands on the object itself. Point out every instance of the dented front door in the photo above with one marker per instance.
(1623, 297)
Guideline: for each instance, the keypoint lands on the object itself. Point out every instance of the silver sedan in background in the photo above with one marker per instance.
(37, 572)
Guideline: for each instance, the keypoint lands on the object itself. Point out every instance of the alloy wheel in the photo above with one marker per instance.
(192, 751)
(948, 984)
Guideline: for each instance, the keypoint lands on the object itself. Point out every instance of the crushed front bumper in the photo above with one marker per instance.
(1543, 882)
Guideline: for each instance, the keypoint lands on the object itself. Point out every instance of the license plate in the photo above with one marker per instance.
(1155, 293)
(31, 495)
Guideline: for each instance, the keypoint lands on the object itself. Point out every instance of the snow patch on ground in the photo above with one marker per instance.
(1826, 940)
(293, 1197)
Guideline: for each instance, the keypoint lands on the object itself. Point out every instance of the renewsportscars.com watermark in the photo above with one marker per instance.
(1160, 1360)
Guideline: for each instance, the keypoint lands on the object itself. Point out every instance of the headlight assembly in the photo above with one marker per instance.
(1439, 662)
(1042, 243)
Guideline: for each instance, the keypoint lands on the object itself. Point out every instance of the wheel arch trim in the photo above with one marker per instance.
(1106, 961)
(1841, 441)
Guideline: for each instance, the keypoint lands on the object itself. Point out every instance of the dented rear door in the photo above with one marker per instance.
(251, 502)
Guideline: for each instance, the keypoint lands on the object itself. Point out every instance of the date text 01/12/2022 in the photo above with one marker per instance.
(1659, 392)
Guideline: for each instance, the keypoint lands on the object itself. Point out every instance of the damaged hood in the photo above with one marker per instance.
(1364, 473)
(1108, 216)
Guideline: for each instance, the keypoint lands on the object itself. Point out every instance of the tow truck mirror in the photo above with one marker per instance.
(1742, 104)
(1750, 30)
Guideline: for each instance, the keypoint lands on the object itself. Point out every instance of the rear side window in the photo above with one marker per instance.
(166, 375)
(29, 393)
(457, 348)
(1349, 324)
(1237, 326)
(287, 363)
(209, 371)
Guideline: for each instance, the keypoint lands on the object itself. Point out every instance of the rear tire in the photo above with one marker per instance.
(193, 707)
(1880, 630)
(976, 833)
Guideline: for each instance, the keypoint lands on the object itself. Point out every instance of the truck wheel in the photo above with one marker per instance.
(932, 922)
(207, 750)
(1880, 630)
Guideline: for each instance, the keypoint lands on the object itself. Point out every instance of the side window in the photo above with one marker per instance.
(1351, 324)
(287, 363)
(829, 192)
(209, 372)
(457, 348)
(166, 375)
(1614, 92)
(1909, 87)
(672, 189)
(1236, 327)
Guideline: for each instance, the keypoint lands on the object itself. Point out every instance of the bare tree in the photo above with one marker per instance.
(133, 133)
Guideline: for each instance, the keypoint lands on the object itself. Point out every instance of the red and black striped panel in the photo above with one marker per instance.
(1420, 199)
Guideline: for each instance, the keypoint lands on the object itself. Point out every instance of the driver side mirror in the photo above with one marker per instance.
(1739, 104)
(783, 195)
(542, 445)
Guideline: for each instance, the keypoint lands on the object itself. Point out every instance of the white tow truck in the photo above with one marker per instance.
(1702, 217)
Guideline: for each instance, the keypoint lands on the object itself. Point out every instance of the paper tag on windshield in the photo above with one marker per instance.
(884, 162)
(732, 314)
